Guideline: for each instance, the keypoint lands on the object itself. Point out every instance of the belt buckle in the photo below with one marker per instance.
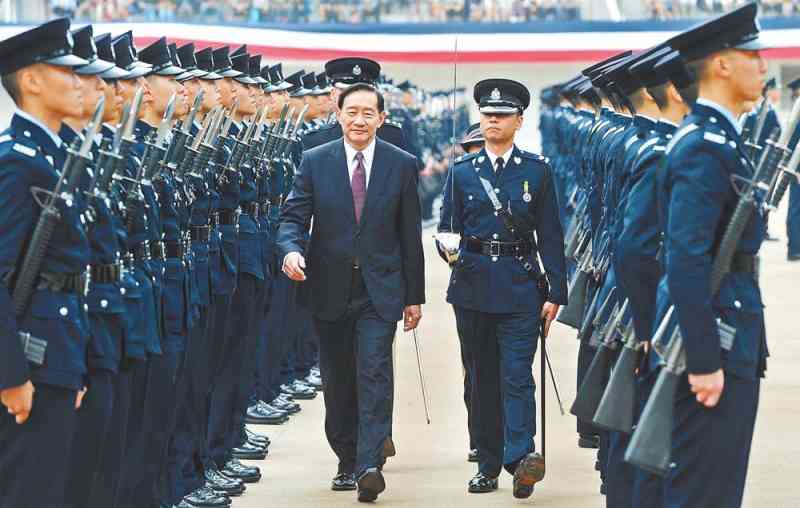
(494, 248)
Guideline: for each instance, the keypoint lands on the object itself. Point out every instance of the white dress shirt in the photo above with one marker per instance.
(493, 158)
(369, 156)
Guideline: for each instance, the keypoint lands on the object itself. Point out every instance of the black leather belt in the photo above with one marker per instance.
(63, 282)
(106, 274)
(200, 233)
(745, 263)
(251, 208)
(228, 218)
(157, 251)
(141, 252)
(497, 248)
(174, 250)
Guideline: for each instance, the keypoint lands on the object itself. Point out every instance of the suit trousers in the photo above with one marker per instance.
(500, 350)
(647, 488)
(465, 362)
(711, 447)
(34, 457)
(133, 468)
(94, 419)
(356, 364)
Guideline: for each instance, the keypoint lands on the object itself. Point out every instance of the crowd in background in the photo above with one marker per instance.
(673, 9)
(330, 11)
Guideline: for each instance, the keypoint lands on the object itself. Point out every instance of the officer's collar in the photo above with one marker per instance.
(665, 127)
(143, 128)
(644, 122)
(33, 128)
(67, 134)
(708, 107)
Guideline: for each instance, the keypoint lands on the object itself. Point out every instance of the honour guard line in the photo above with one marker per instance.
(194, 242)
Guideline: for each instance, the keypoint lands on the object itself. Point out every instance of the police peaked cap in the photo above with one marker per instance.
(673, 67)
(84, 47)
(738, 29)
(473, 136)
(205, 62)
(105, 51)
(125, 55)
(158, 55)
(351, 70)
(255, 70)
(241, 64)
(502, 96)
(49, 43)
(222, 63)
(642, 68)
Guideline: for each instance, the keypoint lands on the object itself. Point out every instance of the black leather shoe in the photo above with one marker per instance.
(258, 444)
(265, 415)
(255, 437)
(588, 441)
(473, 456)
(248, 451)
(221, 483)
(237, 470)
(206, 497)
(344, 481)
(370, 484)
(603, 489)
(481, 483)
(597, 465)
(299, 391)
(388, 448)
(529, 471)
(313, 380)
(285, 405)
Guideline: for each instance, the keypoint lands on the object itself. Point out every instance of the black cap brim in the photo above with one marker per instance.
(169, 71)
(246, 80)
(97, 66)
(230, 73)
(67, 61)
(115, 73)
(135, 72)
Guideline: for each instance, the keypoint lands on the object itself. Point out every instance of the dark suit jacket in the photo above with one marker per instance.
(387, 242)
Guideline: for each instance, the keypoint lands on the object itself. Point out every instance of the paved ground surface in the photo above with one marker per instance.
(430, 469)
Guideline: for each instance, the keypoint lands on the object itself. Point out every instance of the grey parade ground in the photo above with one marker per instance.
(226, 281)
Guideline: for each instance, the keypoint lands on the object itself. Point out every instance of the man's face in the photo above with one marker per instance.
(92, 89)
(360, 118)
(500, 128)
(408, 99)
(747, 72)
(59, 89)
(192, 88)
(210, 95)
(113, 108)
(247, 104)
(313, 107)
(162, 88)
(226, 92)
(182, 97)
(297, 103)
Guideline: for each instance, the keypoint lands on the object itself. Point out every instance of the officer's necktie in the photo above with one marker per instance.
(499, 164)
(359, 185)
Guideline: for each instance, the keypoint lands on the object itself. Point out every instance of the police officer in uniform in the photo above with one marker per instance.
(716, 404)
(36, 69)
(502, 202)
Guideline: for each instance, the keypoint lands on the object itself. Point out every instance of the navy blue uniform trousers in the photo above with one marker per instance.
(34, 457)
(711, 446)
(356, 363)
(499, 350)
(793, 219)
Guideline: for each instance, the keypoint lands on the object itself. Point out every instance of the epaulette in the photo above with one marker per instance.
(393, 123)
(466, 157)
(534, 157)
(633, 139)
(647, 144)
(680, 134)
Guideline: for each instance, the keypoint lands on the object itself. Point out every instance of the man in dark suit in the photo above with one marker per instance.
(366, 269)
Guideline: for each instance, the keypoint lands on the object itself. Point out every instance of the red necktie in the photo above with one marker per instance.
(359, 186)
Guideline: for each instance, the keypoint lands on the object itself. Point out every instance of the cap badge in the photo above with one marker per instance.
(495, 94)
(357, 70)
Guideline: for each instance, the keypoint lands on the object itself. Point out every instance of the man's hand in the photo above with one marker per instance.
(293, 265)
(411, 316)
(79, 398)
(19, 401)
(708, 387)
(549, 312)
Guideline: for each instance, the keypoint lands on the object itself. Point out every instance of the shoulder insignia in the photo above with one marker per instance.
(714, 137)
(5, 138)
(534, 156)
(631, 141)
(24, 150)
(466, 157)
(660, 148)
(680, 134)
(647, 144)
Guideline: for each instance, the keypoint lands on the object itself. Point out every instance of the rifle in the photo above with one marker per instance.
(78, 157)
(155, 151)
(594, 382)
(180, 135)
(651, 444)
(111, 163)
(752, 142)
(573, 313)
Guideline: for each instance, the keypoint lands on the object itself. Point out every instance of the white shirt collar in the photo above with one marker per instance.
(506, 157)
(38, 123)
(369, 156)
(722, 110)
